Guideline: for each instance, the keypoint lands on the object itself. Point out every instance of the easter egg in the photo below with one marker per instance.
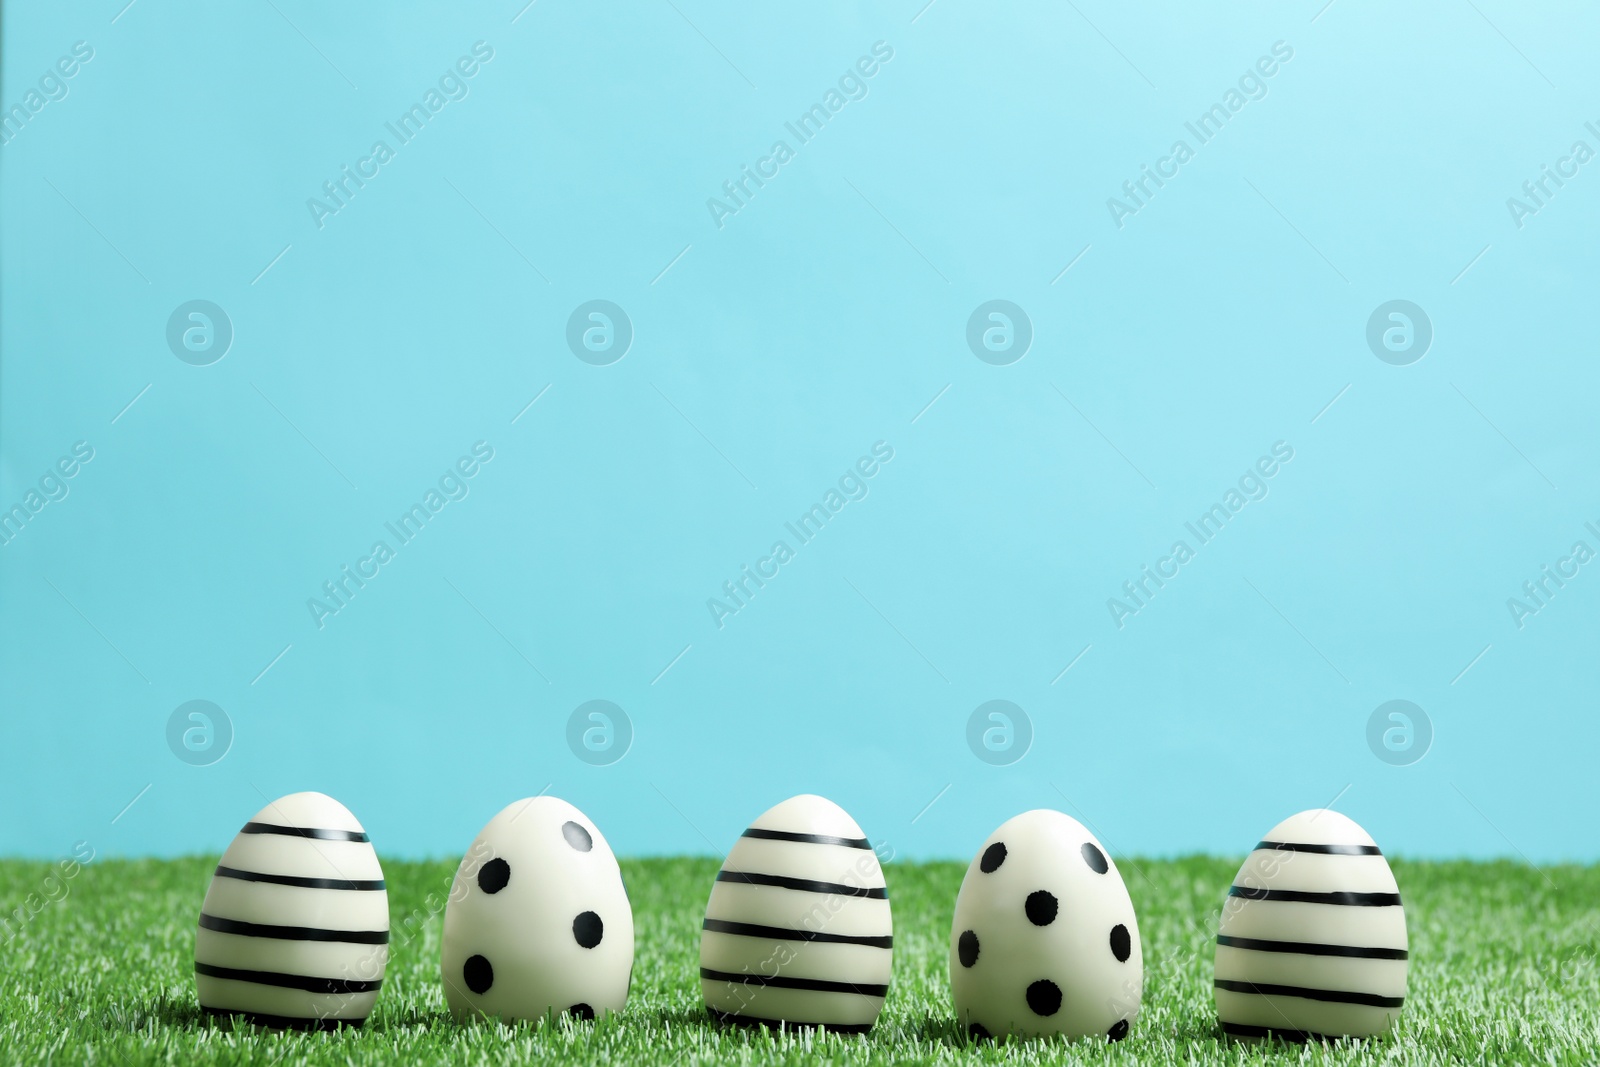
(294, 931)
(798, 929)
(1312, 940)
(1044, 940)
(538, 923)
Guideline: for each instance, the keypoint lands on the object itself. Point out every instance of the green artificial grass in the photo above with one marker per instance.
(1503, 970)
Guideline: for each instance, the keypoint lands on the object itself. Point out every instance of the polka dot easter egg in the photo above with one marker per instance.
(538, 923)
(1313, 935)
(1044, 940)
(798, 929)
(294, 931)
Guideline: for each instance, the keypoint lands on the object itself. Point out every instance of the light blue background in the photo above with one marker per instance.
(823, 317)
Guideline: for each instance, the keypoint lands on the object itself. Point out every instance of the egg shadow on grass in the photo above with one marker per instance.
(446, 1021)
(699, 1018)
(180, 1014)
(386, 1017)
(1277, 1042)
(943, 1029)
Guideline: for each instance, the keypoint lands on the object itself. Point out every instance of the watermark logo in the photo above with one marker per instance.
(199, 733)
(1537, 592)
(999, 732)
(1399, 332)
(1577, 966)
(53, 486)
(52, 86)
(599, 733)
(199, 333)
(1538, 192)
(739, 591)
(452, 86)
(53, 888)
(453, 485)
(599, 332)
(1137, 593)
(1138, 192)
(1399, 733)
(999, 332)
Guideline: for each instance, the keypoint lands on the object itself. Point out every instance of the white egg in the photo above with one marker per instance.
(798, 928)
(538, 922)
(294, 931)
(1313, 935)
(1044, 939)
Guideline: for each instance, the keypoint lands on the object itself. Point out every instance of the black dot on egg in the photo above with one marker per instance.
(1041, 907)
(577, 836)
(478, 974)
(493, 876)
(1121, 943)
(978, 1031)
(587, 929)
(1095, 858)
(1118, 1031)
(1044, 997)
(993, 857)
(581, 1011)
(967, 948)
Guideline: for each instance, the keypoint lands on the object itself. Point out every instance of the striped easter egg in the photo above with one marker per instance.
(798, 929)
(1312, 941)
(294, 931)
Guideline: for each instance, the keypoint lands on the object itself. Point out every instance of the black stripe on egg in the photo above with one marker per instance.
(306, 982)
(292, 933)
(302, 883)
(804, 885)
(784, 933)
(1331, 996)
(1307, 948)
(1351, 900)
(304, 831)
(785, 981)
(1319, 850)
(808, 839)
